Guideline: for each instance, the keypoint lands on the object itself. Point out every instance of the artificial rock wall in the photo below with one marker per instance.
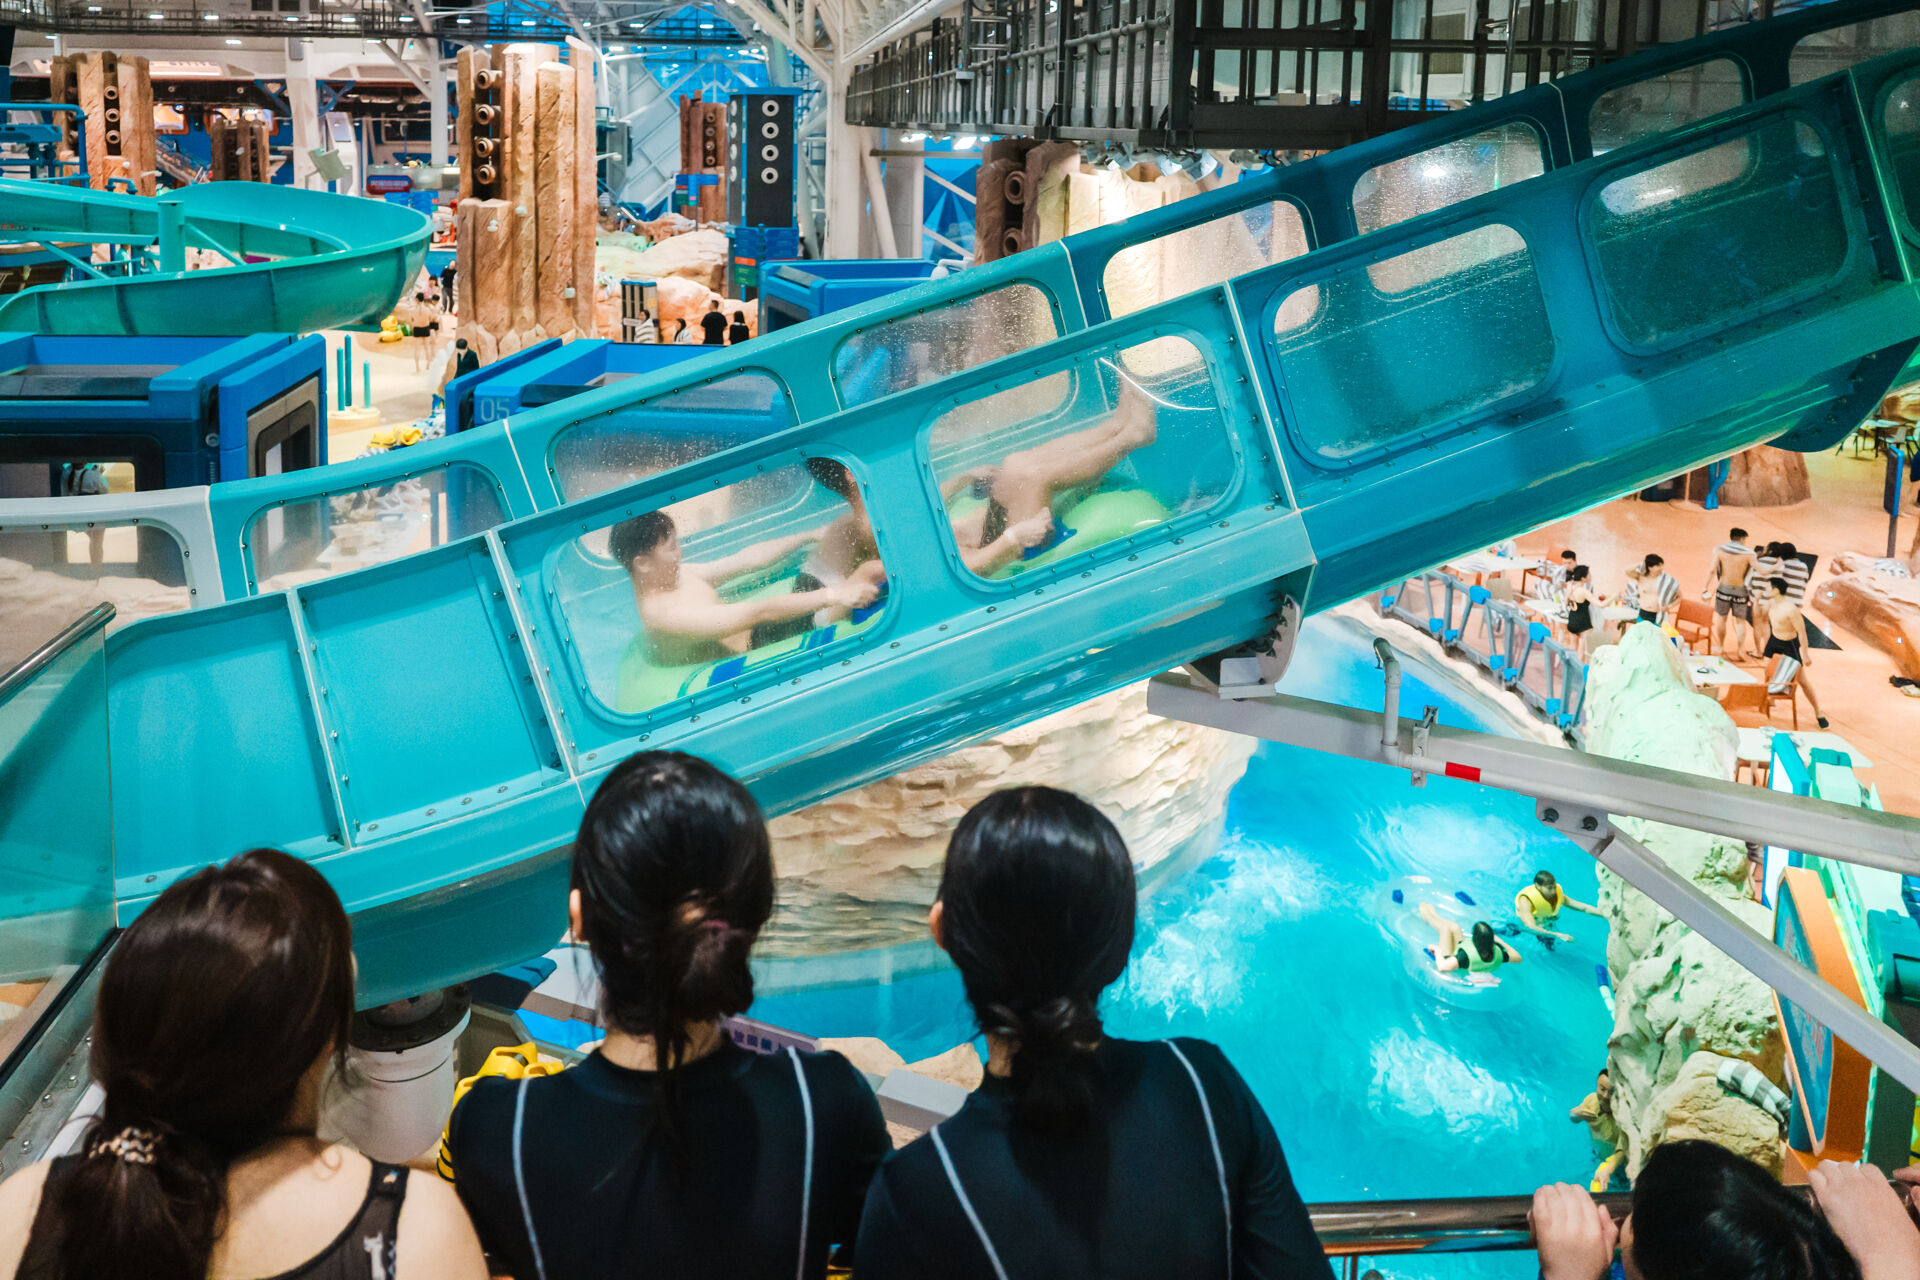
(1877, 606)
(529, 201)
(1680, 1005)
(859, 870)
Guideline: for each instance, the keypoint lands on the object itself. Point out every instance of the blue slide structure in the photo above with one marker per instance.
(302, 260)
(428, 730)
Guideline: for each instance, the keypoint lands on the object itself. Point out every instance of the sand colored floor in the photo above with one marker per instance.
(1844, 514)
(401, 393)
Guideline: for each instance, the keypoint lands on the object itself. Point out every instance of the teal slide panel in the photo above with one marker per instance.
(338, 260)
(428, 701)
(218, 747)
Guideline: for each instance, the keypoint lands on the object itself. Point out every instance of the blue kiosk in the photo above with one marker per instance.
(794, 292)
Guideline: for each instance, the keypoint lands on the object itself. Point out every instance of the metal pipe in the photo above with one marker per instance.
(40, 659)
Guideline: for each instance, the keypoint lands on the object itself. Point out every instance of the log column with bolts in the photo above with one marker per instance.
(116, 96)
(526, 219)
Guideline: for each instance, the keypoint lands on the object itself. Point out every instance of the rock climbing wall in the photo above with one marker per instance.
(115, 95)
(242, 150)
(526, 220)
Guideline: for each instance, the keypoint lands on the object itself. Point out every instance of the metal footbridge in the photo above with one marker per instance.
(297, 261)
(1362, 364)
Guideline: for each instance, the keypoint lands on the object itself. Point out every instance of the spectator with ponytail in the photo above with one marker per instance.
(221, 1011)
(670, 1151)
(1080, 1155)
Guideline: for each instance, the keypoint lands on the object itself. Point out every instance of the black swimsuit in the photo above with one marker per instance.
(1784, 648)
(372, 1232)
(1580, 618)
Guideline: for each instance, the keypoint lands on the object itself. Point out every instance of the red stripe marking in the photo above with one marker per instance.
(1468, 772)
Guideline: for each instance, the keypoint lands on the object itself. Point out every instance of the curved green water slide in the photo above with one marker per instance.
(323, 261)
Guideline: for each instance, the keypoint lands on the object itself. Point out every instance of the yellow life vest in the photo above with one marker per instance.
(1544, 912)
(1474, 963)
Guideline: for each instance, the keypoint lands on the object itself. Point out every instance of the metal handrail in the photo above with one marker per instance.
(37, 661)
(1474, 1224)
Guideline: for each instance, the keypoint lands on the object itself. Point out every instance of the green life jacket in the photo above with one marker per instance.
(1474, 963)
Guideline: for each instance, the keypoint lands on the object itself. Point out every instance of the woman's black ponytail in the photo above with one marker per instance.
(1037, 912)
(216, 1003)
(675, 877)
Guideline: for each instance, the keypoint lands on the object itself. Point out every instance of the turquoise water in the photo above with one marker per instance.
(1273, 949)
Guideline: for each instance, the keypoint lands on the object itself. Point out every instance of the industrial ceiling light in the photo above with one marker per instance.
(156, 16)
(231, 40)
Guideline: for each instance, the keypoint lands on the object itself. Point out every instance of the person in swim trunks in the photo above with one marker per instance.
(686, 620)
(1787, 639)
(1020, 492)
(1727, 584)
(1479, 954)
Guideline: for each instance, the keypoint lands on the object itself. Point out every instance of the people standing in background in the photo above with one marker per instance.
(1552, 580)
(1658, 591)
(645, 330)
(466, 359)
(685, 337)
(1766, 564)
(1727, 584)
(713, 326)
(1787, 640)
(1795, 569)
(448, 274)
(1580, 602)
(737, 332)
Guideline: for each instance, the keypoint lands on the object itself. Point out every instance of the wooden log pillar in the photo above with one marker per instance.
(586, 191)
(555, 131)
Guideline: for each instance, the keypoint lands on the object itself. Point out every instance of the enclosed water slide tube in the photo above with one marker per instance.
(325, 261)
(428, 730)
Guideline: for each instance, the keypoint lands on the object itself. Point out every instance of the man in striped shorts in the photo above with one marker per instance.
(1659, 591)
(1727, 584)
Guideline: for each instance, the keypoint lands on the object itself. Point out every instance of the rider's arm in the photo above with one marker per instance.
(1577, 905)
(757, 556)
(1513, 957)
(724, 618)
(1526, 920)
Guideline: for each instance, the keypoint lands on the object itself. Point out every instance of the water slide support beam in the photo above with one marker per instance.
(1581, 795)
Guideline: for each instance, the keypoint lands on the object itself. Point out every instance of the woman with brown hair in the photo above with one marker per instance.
(221, 1010)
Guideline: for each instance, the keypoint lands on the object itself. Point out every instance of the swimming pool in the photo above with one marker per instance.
(1273, 949)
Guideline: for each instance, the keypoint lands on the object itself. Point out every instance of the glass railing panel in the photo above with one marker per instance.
(51, 575)
(1144, 275)
(1447, 174)
(298, 542)
(1825, 52)
(1070, 461)
(1660, 104)
(1369, 364)
(939, 343)
(633, 441)
(1717, 236)
(669, 603)
(56, 821)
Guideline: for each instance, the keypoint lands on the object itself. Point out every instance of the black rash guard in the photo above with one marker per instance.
(1136, 1198)
(607, 1198)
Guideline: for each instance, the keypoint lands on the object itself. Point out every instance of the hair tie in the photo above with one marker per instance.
(716, 926)
(131, 1145)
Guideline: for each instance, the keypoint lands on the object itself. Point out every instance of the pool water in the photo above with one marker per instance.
(1273, 949)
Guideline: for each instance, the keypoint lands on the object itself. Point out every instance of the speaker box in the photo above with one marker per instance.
(760, 159)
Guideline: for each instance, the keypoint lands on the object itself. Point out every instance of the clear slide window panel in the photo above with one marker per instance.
(319, 537)
(1132, 438)
(49, 577)
(1446, 175)
(1901, 116)
(1713, 237)
(1371, 368)
(1825, 52)
(936, 344)
(634, 441)
(674, 601)
(1200, 257)
(1661, 104)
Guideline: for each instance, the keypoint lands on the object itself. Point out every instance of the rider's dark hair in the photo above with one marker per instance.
(1700, 1212)
(217, 1001)
(675, 878)
(1577, 574)
(1779, 584)
(1037, 911)
(832, 474)
(1483, 940)
(634, 538)
(1544, 879)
